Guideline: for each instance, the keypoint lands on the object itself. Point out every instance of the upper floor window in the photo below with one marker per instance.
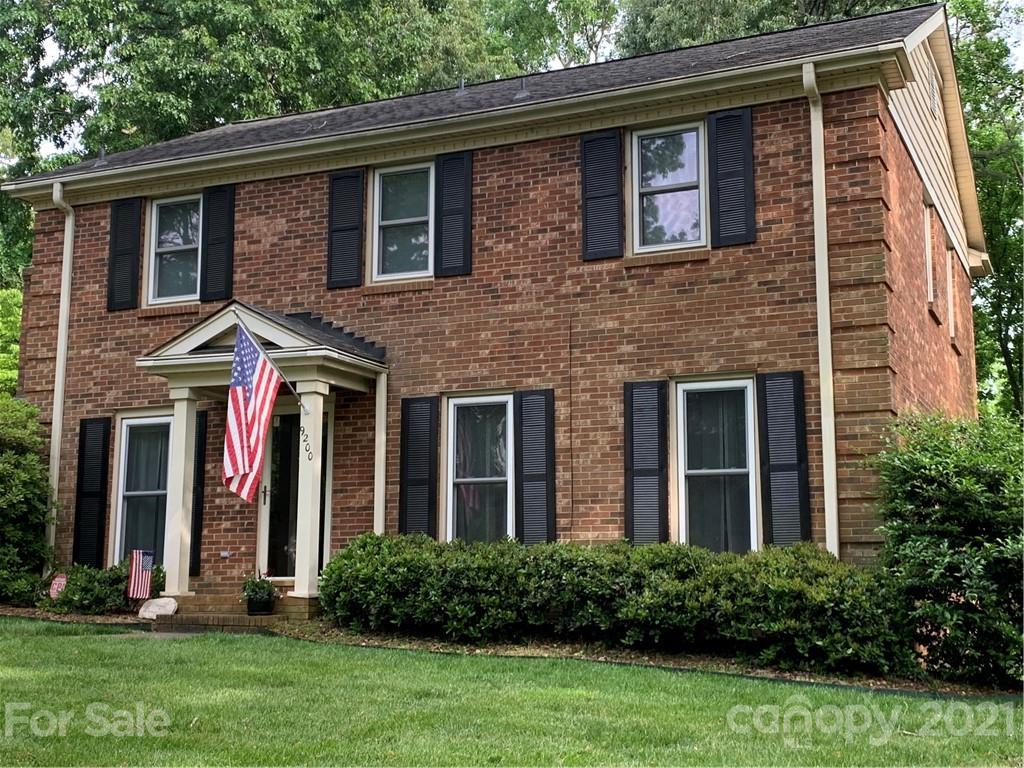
(403, 214)
(174, 249)
(669, 183)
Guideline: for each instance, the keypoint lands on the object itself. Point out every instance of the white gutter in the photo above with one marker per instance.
(63, 323)
(824, 312)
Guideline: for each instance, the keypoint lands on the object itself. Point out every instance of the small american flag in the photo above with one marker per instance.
(140, 574)
(253, 389)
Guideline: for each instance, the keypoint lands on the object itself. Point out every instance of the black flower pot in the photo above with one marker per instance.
(260, 606)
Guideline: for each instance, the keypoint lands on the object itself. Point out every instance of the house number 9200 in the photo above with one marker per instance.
(307, 449)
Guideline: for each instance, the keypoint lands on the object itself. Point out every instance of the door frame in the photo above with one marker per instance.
(291, 407)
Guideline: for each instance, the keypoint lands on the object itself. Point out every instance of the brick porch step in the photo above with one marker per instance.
(214, 622)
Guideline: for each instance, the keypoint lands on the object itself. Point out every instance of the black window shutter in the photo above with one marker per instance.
(198, 494)
(417, 496)
(123, 264)
(215, 280)
(782, 428)
(91, 492)
(453, 211)
(345, 230)
(535, 465)
(646, 454)
(602, 170)
(731, 187)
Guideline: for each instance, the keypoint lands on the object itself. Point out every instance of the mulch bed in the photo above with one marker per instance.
(128, 619)
(322, 632)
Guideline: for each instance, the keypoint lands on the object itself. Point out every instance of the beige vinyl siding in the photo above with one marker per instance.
(926, 134)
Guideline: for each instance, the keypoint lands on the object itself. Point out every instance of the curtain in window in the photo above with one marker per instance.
(145, 488)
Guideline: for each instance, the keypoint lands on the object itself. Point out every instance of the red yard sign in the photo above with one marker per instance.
(60, 581)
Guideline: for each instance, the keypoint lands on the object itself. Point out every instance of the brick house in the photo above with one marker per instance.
(674, 297)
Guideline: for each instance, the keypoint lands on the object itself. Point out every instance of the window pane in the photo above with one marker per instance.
(718, 512)
(668, 160)
(480, 511)
(671, 217)
(178, 225)
(716, 429)
(480, 440)
(147, 457)
(177, 274)
(144, 524)
(404, 195)
(404, 248)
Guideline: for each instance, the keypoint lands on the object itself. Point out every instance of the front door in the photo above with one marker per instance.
(280, 495)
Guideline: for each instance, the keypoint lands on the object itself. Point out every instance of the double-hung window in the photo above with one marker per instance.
(142, 502)
(669, 188)
(716, 465)
(481, 494)
(174, 251)
(403, 218)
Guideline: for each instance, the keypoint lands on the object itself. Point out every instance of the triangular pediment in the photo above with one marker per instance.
(217, 332)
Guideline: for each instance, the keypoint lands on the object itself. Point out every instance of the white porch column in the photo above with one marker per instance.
(307, 524)
(178, 525)
(380, 452)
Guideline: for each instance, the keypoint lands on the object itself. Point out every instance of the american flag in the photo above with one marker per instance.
(254, 384)
(140, 574)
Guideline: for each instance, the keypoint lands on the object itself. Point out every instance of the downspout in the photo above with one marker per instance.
(63, 321)
(824, 312)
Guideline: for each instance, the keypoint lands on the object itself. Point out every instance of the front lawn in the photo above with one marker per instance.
(273, 700)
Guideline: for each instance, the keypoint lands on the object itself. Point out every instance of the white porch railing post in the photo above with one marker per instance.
(307, 524)
(178, 521)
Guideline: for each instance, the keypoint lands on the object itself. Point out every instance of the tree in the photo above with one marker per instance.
(10, 332)
(992, 93)
(657, 25)
(538, 32)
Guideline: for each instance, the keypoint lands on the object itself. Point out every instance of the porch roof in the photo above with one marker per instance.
(303, 345)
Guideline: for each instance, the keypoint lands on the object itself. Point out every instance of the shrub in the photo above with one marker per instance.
(24, 499)
(95, 590)
(794, 607)
(951, 496)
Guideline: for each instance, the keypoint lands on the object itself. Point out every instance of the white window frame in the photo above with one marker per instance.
(154, 227)
(510, 470)
(682, 387)
(378, 173)
(122, 473)
(702, 187)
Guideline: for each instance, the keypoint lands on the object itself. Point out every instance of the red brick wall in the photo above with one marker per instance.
(891, 351)
(532, 314)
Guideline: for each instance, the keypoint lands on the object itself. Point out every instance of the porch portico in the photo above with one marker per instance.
(315, 357)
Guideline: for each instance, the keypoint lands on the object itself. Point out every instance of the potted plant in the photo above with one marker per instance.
(259, 594)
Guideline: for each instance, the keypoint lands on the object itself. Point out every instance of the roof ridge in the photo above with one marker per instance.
(577, 67)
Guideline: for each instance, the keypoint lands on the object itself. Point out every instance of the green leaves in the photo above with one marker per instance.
(24, 500)
(951, 496)
(795, 607)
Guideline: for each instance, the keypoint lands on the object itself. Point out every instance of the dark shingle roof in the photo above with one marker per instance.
(323, 332)
(533, 89)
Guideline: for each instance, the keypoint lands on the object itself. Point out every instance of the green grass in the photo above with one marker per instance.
(13, 626)
(272, 700)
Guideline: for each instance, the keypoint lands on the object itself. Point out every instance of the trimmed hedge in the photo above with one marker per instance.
(95, 590)
(793, 608)
(24, 502)
(951, 499)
